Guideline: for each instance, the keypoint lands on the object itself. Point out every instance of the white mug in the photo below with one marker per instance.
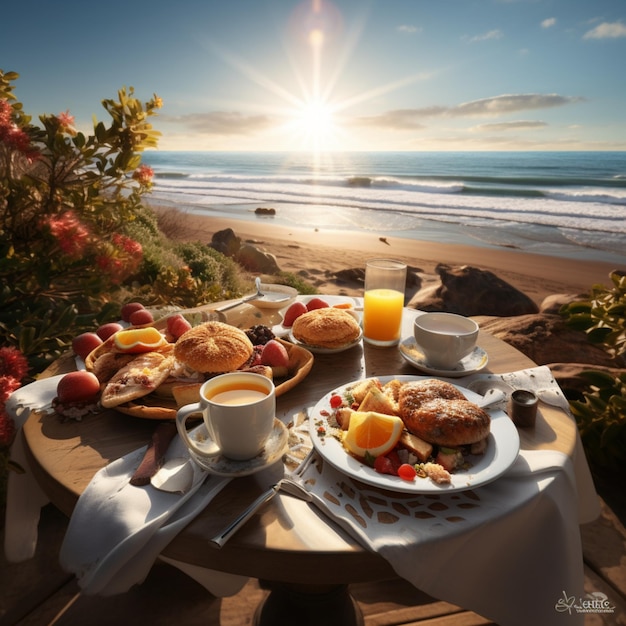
(238, 409)
(445, 338)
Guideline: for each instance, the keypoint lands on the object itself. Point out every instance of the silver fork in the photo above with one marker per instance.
(288, 484)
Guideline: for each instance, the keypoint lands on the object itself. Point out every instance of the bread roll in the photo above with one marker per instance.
(213, 348)
(326, 328)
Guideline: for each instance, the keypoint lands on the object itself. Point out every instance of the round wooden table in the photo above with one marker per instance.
(315, 562)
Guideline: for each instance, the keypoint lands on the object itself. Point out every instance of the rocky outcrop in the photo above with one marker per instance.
(226, 242)
(265, 211)
(546, 339)
(471, 291)
(256, 260)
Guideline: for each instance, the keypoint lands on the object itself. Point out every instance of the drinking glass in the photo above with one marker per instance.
(383, 302)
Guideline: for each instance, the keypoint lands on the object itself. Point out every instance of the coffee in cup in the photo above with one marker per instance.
(238, 409)
(445, 338)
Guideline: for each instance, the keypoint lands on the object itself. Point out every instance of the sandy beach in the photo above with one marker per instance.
(316, 255)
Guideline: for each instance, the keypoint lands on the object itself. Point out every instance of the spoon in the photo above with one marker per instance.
(492, 396)
(174, 476)
(254, 296)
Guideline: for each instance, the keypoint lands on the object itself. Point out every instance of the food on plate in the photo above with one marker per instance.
(293, 312)
(274, 354)
(84, 343)
(106, 330)
(141, 317)
(137, 379)
(78, 387)
(316, 303)
(177, 325)
(447, 423)
(77, 395)
(137, 340)
(327, 327)
(372, 433)
(129, 308)
(428, 424)
(214, 347)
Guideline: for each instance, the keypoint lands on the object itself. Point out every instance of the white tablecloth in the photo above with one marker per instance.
(509, 550)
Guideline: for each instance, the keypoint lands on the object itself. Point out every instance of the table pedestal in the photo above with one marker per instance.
(308, 605)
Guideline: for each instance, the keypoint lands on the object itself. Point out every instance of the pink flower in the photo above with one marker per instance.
(65, 119)
(143, 175)
(71, 235)
(13, 363)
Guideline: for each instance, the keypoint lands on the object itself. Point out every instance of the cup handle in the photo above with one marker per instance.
(182, 415)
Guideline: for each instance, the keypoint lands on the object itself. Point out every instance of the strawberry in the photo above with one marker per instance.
(292, 313)
(274, 354)
(316, 303)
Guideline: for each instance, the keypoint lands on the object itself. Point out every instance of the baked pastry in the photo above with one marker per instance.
(326, 328)
(448, 423)
(137, 379)
(213, 348)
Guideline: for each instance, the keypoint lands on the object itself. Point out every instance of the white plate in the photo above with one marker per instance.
(322, 350)
(502, 450)
(275, 447)
(473, 362)
(281, 331)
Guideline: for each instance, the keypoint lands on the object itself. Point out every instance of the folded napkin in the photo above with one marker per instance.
(116, 530)
(24, 496)
(536, 379)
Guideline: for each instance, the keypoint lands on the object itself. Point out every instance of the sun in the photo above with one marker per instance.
(314, 126)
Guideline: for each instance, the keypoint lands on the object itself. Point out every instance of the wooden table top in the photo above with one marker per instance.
(64, 456)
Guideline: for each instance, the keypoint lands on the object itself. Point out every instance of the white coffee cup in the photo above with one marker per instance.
(238, 409)
(445, 338)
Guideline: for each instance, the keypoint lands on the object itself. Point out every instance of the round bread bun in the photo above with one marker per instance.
(449, 423)
(326, 328)
(213, 348)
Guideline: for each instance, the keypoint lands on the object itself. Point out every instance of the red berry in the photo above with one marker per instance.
(316, 303)
(407, 472)
(336, 401)
(292, 313)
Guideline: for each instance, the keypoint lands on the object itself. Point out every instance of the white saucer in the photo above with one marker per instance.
(275, 447)
(473, 362)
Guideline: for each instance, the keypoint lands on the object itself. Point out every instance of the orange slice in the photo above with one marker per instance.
(136, 340)
(375, 433)
(342, 305)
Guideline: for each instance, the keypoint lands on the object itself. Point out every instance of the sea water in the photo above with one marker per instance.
(568, 204)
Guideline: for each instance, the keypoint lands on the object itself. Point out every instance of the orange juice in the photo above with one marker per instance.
(382, 315)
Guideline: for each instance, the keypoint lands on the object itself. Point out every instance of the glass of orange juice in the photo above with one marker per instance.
(383, 301)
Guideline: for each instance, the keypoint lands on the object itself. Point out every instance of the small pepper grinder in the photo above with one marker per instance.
(523, 408)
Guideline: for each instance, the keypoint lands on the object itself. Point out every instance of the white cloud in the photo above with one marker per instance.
(492, 34)
(409, 29)
(549, 22)
(410, 119)
(505, 126)
(606, 30)
(222, 122)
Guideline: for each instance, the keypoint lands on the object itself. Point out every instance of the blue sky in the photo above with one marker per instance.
(347, 74)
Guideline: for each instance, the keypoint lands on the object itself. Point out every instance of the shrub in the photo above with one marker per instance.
(601, 415)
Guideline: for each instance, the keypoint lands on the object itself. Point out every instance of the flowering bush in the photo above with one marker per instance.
(65, 202)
